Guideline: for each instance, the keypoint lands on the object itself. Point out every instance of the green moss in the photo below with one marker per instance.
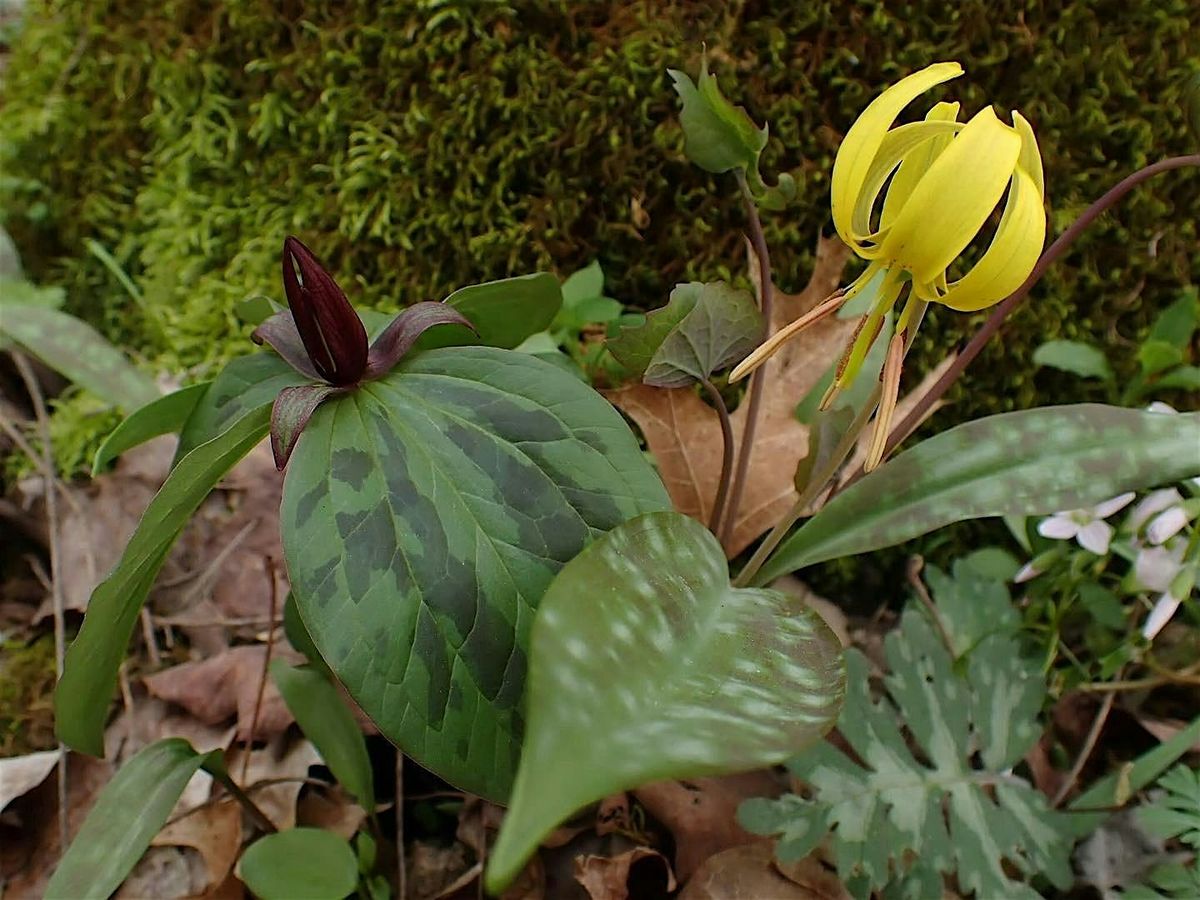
(79, 423)
(26, 692)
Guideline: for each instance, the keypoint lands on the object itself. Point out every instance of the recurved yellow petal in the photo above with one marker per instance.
(951, 202)
(1031, 158)
(862, 141)
(1013, 252)
(916, 162)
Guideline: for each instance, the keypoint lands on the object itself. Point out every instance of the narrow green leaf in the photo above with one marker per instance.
(1075, 357)
(79, 352)
(504, 312)
(298, 636)
(326, 721)
(645, 664)
(1184, 378)
(130, 810)
(423, 517)
(1157, 356)
(1032, 462)
(299, 864)
(1177, 323)
(161, 416)
(90, 673)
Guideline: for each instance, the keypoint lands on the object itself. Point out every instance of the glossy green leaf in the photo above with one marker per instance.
(326, 721)
(703, 328)
(79, 352)
(1157, 356)
(1177, 323)
(1075, 357)
(645, 664)
(1185, 378)
(298, 636)
(1032, 462)
(245, 384)
(299, 864)
(90, 673)
(162, 416)
(423, 517)
(129, 812)
(583, 284)
(718, 136)
(504, 312)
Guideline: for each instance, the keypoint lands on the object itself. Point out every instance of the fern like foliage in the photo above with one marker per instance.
(927, 789)
(1174, 815)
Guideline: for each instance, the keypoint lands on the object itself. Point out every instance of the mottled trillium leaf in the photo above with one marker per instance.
(162, 416)
(128, 813)
(703, 328)
(79, 352)
(423, 517)
(503, 312)
(90, 673)
(645, 664)
(1029, 463)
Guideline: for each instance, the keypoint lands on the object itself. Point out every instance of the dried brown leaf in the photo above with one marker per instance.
(750, 873)
(21, 774)
(275, 776)
(607, 877)
(684, 433)
(215, 832)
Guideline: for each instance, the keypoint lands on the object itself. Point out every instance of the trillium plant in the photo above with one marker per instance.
(484, 557)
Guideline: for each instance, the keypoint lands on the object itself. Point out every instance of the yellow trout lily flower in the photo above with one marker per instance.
(946, 179)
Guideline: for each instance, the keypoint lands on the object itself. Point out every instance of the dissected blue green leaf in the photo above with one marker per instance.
(934, 790)
(972, 605)
(702, 329)
(128, 813)
(93, 658)
(646, 664)
(718, 136)
(503, 312)
(245, 384)
(79, 352)
(162, 416)
(299, 864)
(423, 517)
(326, 721)
(1033, 462)
(1075, 357)
(1173, 814)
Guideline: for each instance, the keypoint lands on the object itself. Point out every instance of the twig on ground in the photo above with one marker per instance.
(269, 566)
(401, 854)
(1089, 744)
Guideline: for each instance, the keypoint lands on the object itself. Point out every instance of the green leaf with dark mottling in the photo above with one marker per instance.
(646, 664)
(1029, 463)
(703, 328)
(128, 813)
(79, 352)
(162, 416)
(423, 517)
(90, 673)
(503, 312)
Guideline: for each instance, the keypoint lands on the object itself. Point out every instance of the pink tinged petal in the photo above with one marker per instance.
(280, 334)
(1060, 527)
(1027, 572)
(1159, 616)
(1166, 525)
(399, 337)
(1116, 504)
(293, 407)
(1155, 567)
(1159, 407)
(1151, 505)
(1095, 536)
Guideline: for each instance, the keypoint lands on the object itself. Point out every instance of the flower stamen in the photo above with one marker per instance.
(887, 401)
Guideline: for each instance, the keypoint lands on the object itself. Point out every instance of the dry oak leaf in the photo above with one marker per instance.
(750, 873)
(684, 433)
(607, 877)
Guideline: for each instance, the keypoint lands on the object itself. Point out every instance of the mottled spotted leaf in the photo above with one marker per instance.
(1027, 463)
(90, 672)
(645, 664)
(79, 352)
(423, 517)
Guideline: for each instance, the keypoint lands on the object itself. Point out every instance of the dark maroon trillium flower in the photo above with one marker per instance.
(321, 337)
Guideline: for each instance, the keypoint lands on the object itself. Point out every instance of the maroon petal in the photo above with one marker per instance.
(280, 333)
(329, 327)
(398, 338)
(293, 408)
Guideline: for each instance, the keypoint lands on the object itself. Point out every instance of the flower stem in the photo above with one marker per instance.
(1053, 252)
(758, 379)
(714, 522)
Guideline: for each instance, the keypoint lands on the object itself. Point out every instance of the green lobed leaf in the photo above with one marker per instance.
(718, 136)
(1033, 462)
(326, 721)
(79, 352)
(299, 864)
(703, 328)
(646, 664)
(93, 658)
(129, 812)
(928, 788)
(1075, 357)
(504, 312)
(423, 517)
(162, 416)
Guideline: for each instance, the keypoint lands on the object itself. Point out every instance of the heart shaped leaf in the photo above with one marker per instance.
(1028, 463)
(645, 664)
(423, 517)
